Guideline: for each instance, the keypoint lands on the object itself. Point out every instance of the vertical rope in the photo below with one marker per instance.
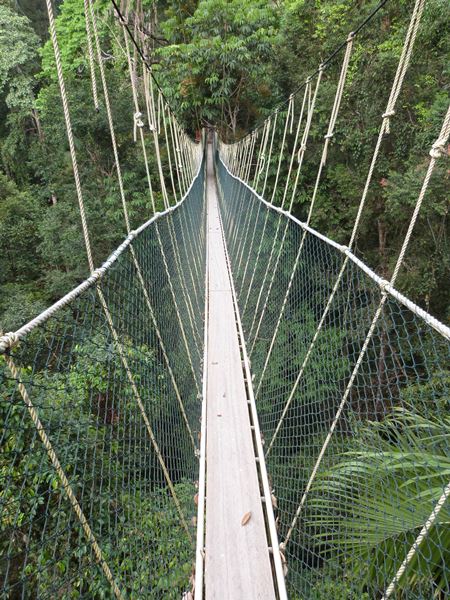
(125, 211)
(91, 54)
(90, 260)
(418, 541)
(69, 132)
(327, 138)
(445, 132)
(302, 151)
(258, 170)
(150, 188)
(63, 479)
(264, 225)
(396, 86)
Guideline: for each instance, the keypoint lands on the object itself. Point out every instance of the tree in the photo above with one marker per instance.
(18, 65)
(218, 67)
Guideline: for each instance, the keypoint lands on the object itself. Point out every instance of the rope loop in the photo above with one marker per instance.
(383, 286)
(138, 119)
(438, 149)
(8, 341)
(301, 151)
(262, 162)
(387, 118)
(350, 37)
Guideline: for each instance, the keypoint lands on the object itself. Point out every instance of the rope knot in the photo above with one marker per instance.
(387, 116)
(383, 286)
(350, 37)
(8, 341)
(328, 136)
(344, 249)
(438, 149)
(138, 119)
(98, 273)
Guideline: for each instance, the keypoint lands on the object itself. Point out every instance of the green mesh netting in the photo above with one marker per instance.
(76, 379)
(388, 461)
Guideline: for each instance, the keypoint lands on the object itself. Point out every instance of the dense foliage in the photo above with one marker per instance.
(228, 64)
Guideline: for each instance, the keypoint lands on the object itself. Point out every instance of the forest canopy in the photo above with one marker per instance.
(226, 64)
(342, 370)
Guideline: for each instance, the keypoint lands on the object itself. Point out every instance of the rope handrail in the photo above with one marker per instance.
(105, 411)
(382, 283)
(10, 339)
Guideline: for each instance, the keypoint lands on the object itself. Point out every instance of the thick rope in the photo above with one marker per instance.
(264, 225)
(302, 151)
(248, 219)
(262, 153)
(91, 54)
(152, 199)
(127, 220)
(410, 36)
(299, 124)
(247, 161)
(384, 295)
(328, 137)
(90, 260)
(437, 150)
(418, 541)
(63, 479)
(69, 131)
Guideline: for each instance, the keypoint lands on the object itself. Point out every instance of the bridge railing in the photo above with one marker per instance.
(353, 408)
(99, 416)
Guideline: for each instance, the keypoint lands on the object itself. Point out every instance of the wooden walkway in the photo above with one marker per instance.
(237, 563)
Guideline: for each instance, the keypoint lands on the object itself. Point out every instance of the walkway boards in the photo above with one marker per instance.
(237, 564)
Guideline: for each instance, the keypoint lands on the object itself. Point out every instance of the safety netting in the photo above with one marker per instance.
(352, 391)
(99, 420)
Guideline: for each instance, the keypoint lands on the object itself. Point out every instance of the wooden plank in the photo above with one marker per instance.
(237, 563)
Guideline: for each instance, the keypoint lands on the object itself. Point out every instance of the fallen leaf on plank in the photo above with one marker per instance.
(246, 518)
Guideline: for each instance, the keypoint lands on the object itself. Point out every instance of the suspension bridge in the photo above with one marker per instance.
(232, 405)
